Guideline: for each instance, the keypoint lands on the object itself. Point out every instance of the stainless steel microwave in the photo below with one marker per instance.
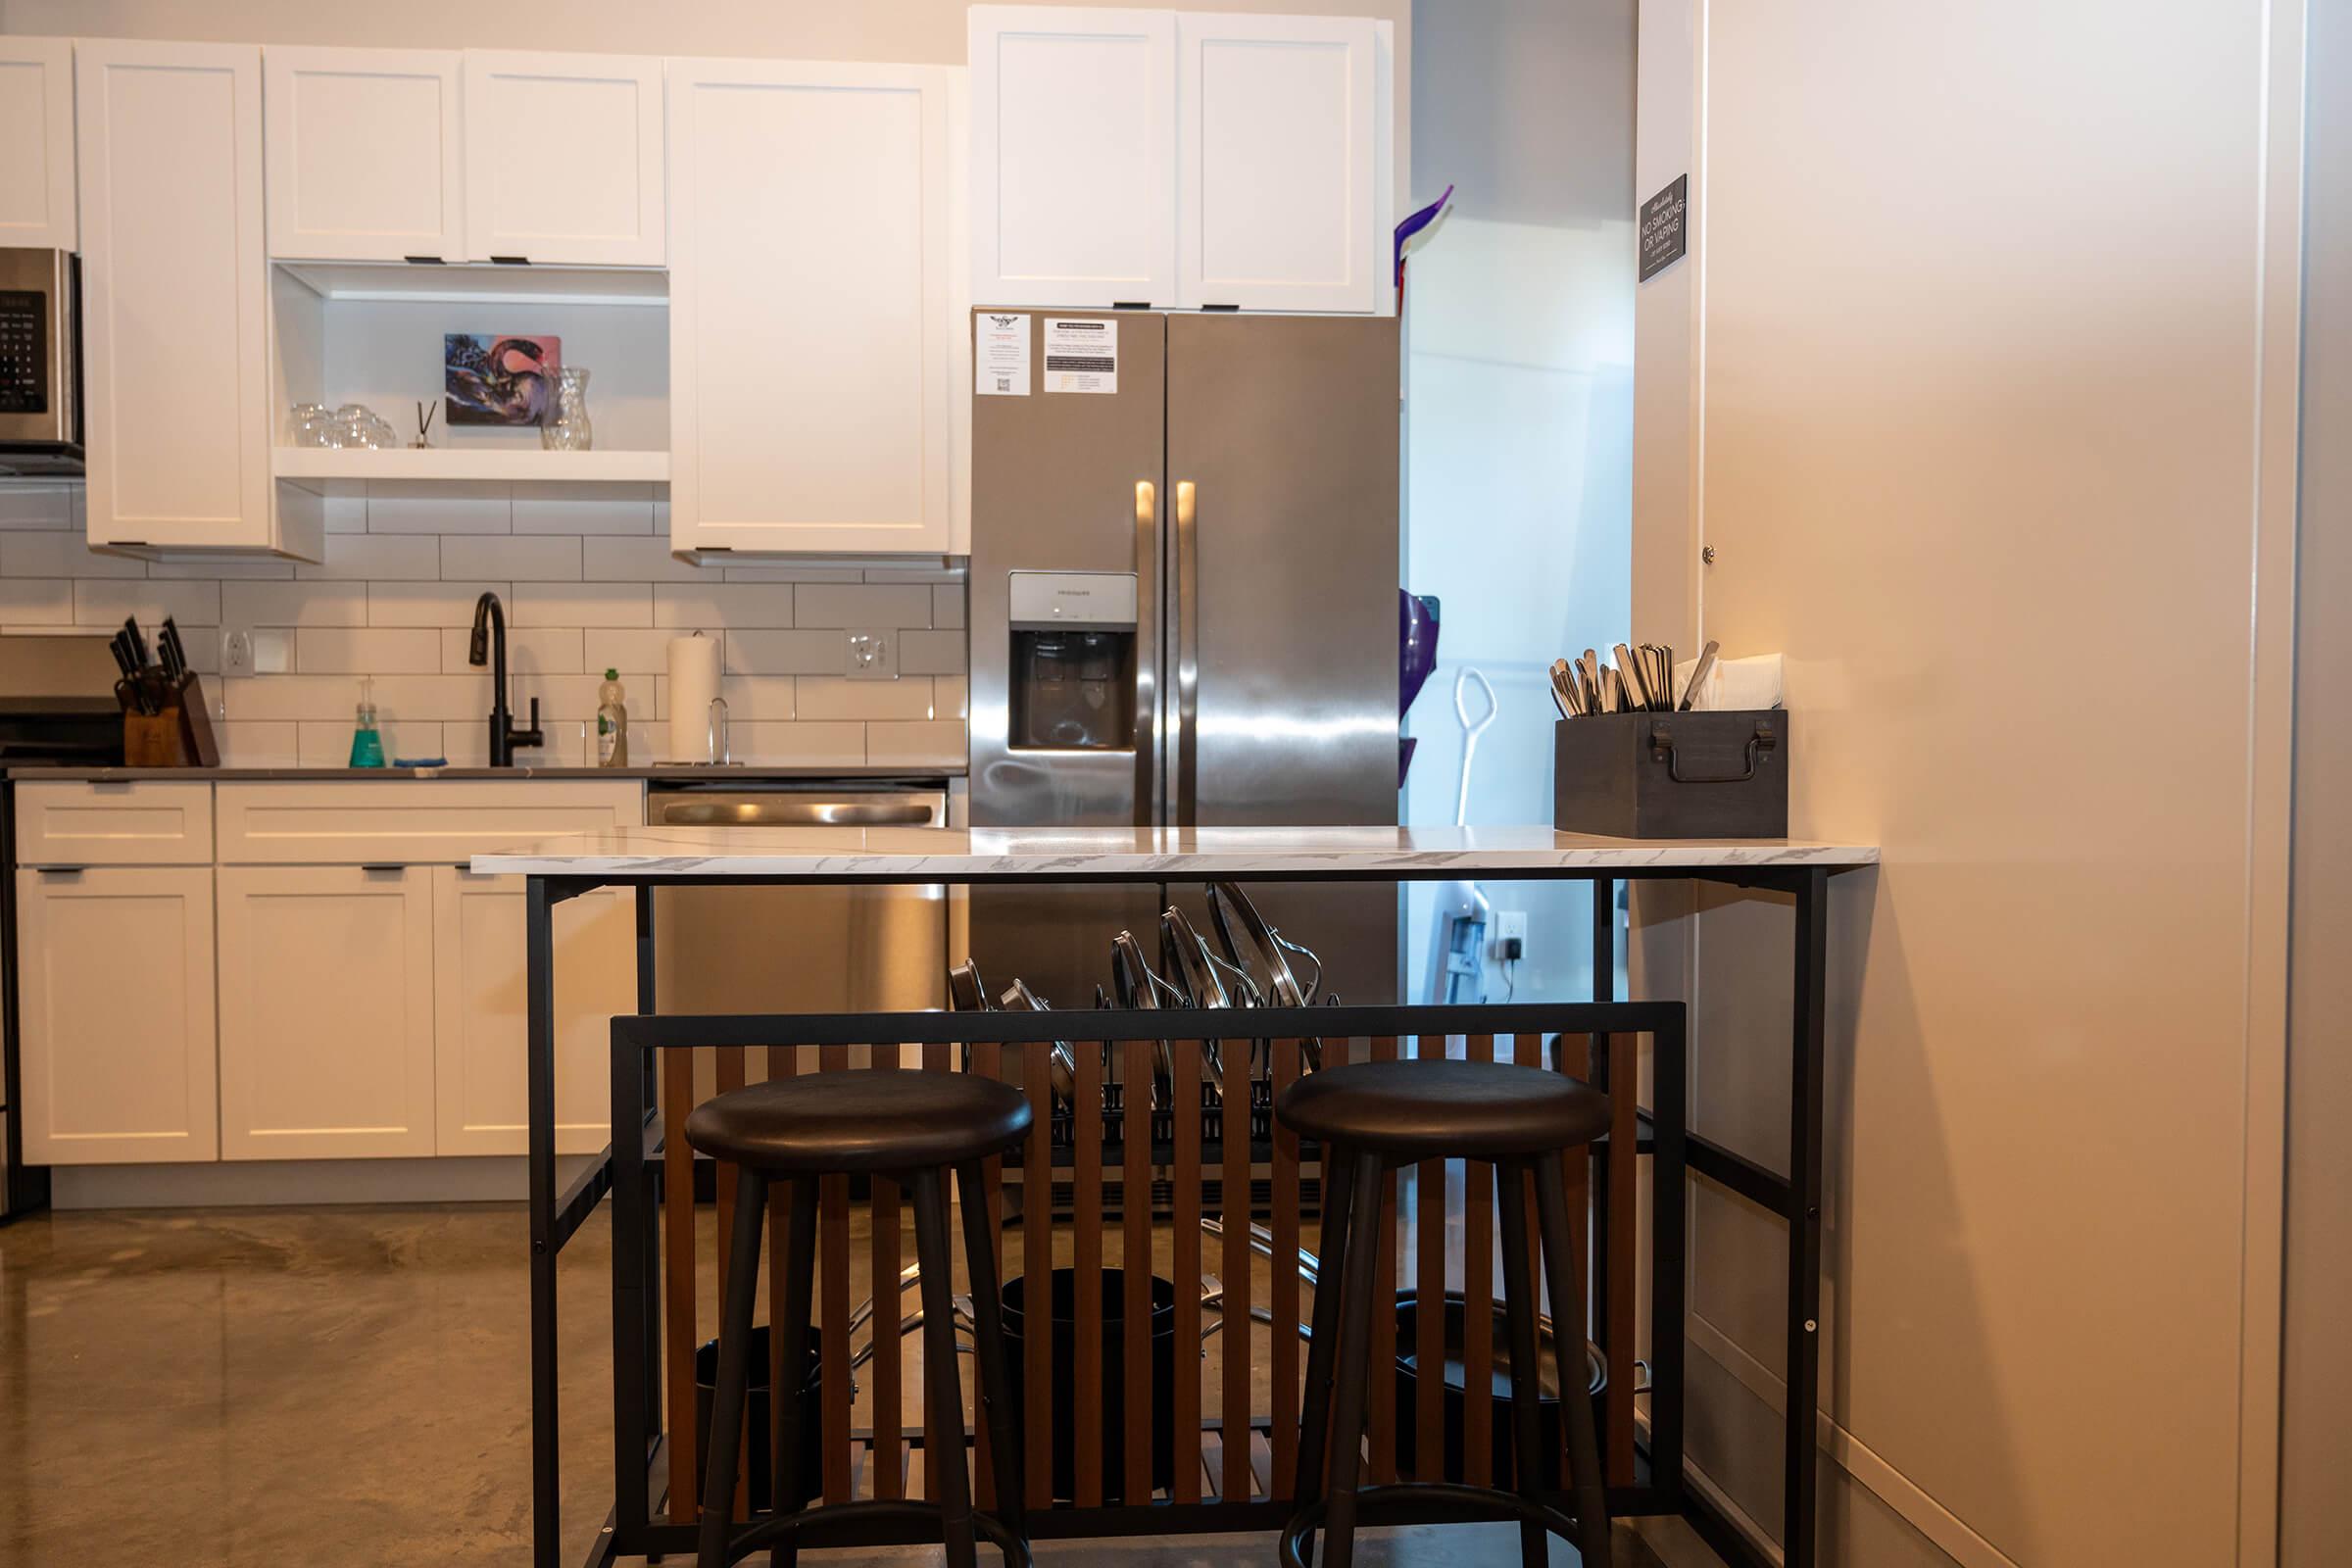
(40, 363)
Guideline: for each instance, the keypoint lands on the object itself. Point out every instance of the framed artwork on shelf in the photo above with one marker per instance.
(500, 380)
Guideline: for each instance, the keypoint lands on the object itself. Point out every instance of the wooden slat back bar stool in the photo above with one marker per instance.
(1369, 1119)
(912, 1128)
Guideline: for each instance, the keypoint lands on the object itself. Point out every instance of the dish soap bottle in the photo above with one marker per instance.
(366, 741)
(612, 722)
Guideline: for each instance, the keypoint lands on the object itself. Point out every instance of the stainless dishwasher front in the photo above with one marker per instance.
(798, 950)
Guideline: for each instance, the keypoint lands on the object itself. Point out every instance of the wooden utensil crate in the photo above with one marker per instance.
(1643, 775)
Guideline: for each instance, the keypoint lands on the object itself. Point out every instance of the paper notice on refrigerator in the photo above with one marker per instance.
(1081, 354)
(1000, 355)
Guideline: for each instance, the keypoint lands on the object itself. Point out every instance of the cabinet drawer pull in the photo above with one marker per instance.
(381, 870)
(62, 871)
(424, 261)
(509, 261)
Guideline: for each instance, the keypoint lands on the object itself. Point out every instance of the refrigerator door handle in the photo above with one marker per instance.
(1184, 760)
(1147, 656)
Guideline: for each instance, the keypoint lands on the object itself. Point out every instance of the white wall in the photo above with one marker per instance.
(1519, 334)
(2315, 1505)
(1981, 384)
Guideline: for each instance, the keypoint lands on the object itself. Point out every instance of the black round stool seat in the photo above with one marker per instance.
(850, 1123)
(1432, 1109)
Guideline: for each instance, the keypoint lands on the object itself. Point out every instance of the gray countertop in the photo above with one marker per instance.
(661, 773)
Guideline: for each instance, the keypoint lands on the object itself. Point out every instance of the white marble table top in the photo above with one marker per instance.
(936, 854)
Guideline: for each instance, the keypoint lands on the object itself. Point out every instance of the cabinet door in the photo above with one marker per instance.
(1275, 121)
(362, 154)
(481, 1079)
(326, 1012)
(1074, 149)
(809, 330)
(36, 144)
(175, 330)
(563, 159)
(115, 1004)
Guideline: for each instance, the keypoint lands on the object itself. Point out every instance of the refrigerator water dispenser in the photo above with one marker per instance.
(1072, 662)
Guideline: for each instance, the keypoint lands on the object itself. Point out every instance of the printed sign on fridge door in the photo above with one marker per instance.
(1000, 355)
(1082, 355)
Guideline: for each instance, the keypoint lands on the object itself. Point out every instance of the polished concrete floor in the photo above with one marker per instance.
(234, 1389)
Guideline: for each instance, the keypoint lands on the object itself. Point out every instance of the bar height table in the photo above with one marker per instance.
(643, 858)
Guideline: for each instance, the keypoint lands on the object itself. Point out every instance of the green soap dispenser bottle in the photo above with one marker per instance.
(366, 741)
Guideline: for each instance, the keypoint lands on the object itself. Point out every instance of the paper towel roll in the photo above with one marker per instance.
(692, 682)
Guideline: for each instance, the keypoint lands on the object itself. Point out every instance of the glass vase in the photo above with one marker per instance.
(569, 429)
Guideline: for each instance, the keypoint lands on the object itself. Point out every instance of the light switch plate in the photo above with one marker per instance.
(871, 656)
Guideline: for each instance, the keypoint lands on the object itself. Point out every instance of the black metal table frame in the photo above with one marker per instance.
(555, 1218)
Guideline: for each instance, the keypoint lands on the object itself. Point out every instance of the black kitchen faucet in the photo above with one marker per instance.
(490, 644)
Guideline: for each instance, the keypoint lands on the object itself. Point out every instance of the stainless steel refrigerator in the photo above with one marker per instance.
(1184, 579)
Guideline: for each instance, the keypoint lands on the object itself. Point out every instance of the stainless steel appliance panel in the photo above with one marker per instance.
(1283, 458)
(1283, 465)
(1056, 938)
(798, 950)
(1067, 482)
(40, 363)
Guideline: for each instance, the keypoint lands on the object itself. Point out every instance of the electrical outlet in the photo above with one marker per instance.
(873, 656)
(236, 651)
(1511, 923)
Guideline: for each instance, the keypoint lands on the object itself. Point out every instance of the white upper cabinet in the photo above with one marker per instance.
(811, 327)
(1179, 158)
(563, 159)
(364, 153)
(1275, 136)
(36, 144)
(1073, 156)
(175, 330)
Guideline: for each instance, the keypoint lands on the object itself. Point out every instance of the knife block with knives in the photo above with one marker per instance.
(165, 723)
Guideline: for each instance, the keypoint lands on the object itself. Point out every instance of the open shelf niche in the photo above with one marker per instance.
(346, 332)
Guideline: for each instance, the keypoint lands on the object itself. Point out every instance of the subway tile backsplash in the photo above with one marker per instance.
(588, 582)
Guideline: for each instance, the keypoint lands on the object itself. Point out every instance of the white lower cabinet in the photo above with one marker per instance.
(115, 975)
(479, 988)
(365, 1002)
(326, 1012)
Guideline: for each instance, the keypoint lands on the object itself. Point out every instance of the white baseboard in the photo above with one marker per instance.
(281, 1183)
(1898, 1491)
